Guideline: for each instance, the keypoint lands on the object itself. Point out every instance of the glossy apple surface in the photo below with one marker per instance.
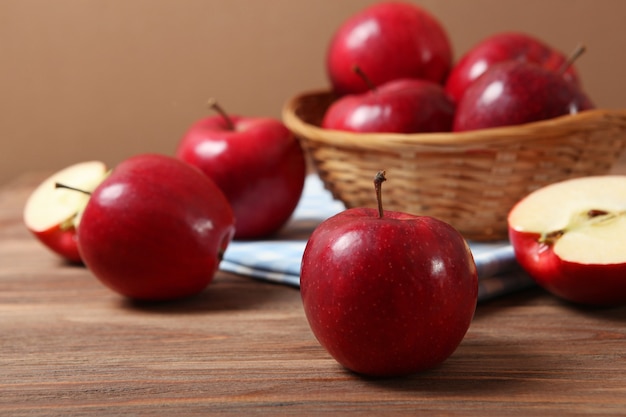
(500, 47)
(512, 93)
(256, 162)
(388, 296)
(50, 212)
(388, 40)
(155, 229)
(571, 238)
(399, 106)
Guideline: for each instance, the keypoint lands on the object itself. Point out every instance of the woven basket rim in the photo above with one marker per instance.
(590, 119)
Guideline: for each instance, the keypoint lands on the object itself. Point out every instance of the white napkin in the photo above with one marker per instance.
(278, 259)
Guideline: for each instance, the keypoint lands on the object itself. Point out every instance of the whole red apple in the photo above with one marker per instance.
(52, 209)
(155, 229)
(398, 106)
(500, 47)
(388, 293)
(257, 163)
(571, 238)
(512, 93)
(388, 40)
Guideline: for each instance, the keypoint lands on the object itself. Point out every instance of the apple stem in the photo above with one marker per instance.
(576, 53)
(378, 181)
(358, 71)
(213, 104)
(68, 187)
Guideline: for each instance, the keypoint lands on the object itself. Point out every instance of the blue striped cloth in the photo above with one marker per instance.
(278, 260)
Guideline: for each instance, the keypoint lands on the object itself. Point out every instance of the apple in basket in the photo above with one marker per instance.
(570, 236)
(398, 106)
(505, 46)
(155, 229)
(51, 211)
(513, 93)
(256, 161)
(388, 293)
(388, 40)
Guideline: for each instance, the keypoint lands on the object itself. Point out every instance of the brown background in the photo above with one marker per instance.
(106, 79)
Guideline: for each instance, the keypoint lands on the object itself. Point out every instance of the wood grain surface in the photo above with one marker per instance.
(70, 347)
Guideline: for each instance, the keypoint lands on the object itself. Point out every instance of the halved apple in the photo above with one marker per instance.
(571, 238)
(51, 211)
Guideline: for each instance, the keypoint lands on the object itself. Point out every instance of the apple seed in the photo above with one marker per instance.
(593, 217)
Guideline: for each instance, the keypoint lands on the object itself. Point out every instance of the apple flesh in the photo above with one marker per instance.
(501, 47)
(571, 238)
(388, 40)
(388, 295)
(399, 106)
(512, 93)
(51, 212)
(155, 229)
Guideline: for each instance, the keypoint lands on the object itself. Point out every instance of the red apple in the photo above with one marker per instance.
(388, 40)
(399, 106)
(512, 93)
(571, 238)
(257, 163)
(500, 47)
(388, 293)
(155, 229)
(51, 211)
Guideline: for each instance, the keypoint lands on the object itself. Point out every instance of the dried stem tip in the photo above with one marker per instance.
(378, 181)
(213, 104)
(576, 53)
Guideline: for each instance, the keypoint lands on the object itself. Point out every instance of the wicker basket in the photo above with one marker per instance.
(471, 179)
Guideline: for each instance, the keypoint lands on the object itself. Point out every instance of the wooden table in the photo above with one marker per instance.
(69, 346)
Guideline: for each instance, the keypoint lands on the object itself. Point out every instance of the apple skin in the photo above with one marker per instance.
(391, 296)
(62, 241)
(590, 284)
(155, 229)
(399, 106)
(388, 40)
(500, 47)
(259, 165)
(513, 93)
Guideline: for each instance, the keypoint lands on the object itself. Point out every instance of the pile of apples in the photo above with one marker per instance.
(391, 65)
(386, 293)
(389, 293)
(155, 227)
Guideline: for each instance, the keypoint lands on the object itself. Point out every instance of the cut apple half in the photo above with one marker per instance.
(571, 237)
(53, 209)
